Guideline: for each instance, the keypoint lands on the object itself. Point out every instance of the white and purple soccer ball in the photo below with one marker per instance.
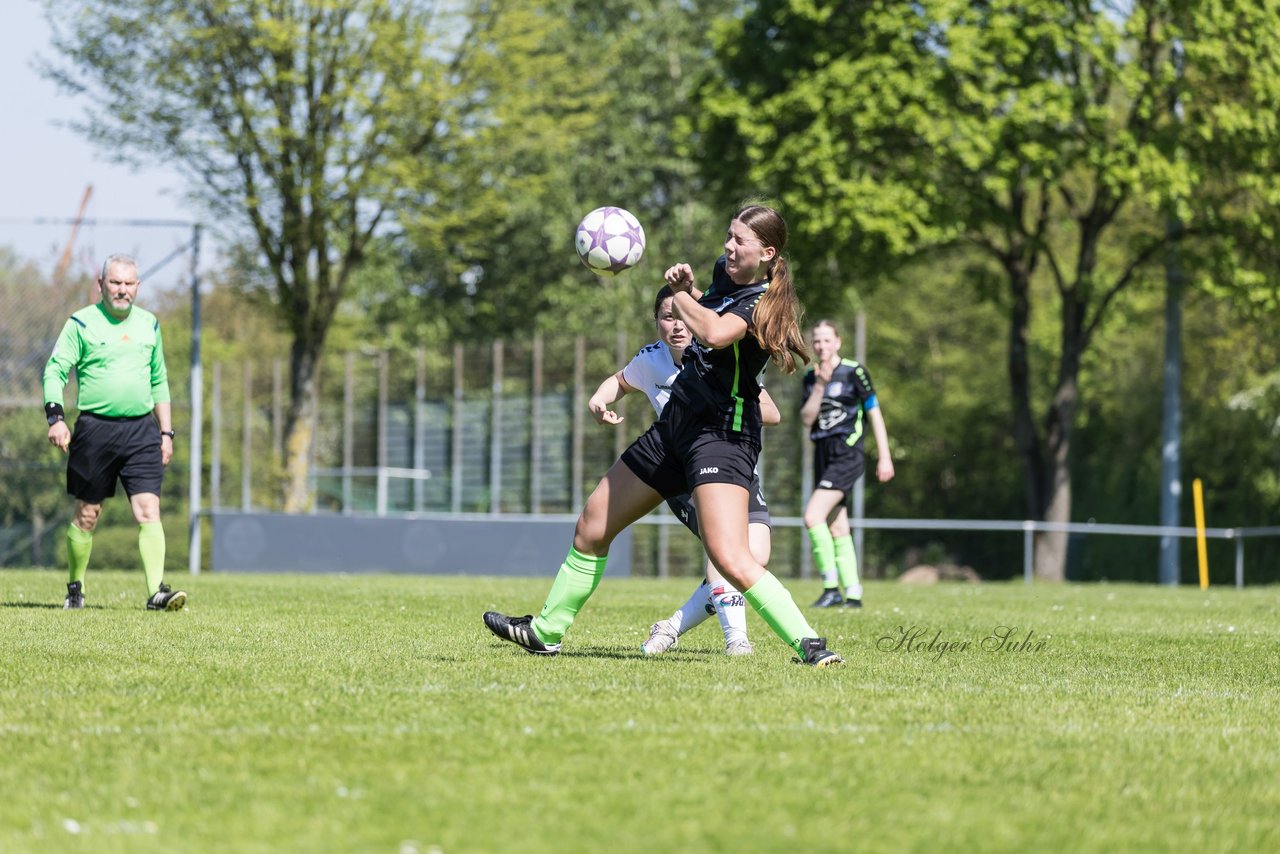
(609, 240)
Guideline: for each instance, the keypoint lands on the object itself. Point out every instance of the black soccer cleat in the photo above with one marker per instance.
(75, 597)
(519, 631)
(167, 599)
(853, 603)
(816, 653)
(830, 598)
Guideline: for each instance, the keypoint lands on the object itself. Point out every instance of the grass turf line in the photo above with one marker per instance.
(375, 713)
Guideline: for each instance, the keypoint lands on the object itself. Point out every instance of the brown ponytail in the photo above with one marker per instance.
(777, 315)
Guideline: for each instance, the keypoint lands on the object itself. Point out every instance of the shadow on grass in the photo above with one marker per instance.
(622, 653)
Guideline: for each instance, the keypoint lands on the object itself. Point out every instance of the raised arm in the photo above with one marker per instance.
(812, 406)
(717, 331)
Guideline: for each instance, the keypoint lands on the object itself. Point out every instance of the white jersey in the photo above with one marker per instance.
(652, 371)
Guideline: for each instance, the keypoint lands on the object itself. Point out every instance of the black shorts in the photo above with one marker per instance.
(679, 452)
(836, 465)
(757, 509)
(104, 450)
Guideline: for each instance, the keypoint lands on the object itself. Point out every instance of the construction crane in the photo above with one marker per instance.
(64, 263)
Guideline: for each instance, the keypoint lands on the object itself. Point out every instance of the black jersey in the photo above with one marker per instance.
(722, 386)
(846, 397)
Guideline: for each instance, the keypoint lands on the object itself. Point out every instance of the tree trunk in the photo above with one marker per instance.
(1025, 437)
(1050, 561)
(300, 428)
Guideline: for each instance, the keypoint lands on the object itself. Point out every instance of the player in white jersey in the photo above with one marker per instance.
(652, 371)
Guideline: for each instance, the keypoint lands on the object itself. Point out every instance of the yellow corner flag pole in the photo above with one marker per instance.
(1202, 550)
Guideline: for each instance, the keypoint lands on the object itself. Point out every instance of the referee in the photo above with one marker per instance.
(124, 431)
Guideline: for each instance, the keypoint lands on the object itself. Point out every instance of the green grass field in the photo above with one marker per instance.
(286, 713)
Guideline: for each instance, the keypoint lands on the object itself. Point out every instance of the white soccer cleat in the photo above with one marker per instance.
(662, 637)
(741, 646)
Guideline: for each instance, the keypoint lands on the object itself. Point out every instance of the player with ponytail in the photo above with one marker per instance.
(705, 443)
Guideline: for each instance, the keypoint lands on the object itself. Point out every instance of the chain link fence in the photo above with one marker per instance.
(483, 428)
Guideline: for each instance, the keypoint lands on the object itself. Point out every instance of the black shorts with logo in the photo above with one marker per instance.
(757, 509)
(679, 452)
(104, 450)
(836, 464)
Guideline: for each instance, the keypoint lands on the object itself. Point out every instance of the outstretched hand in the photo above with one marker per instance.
(602, 413)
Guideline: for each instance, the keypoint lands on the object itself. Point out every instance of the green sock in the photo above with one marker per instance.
(577, 579)
(847, 565)
(79, 546)
(775, 605)
(151, 547)
(824, 554)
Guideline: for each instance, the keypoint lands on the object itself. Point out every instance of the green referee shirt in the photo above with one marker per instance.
(119, 363)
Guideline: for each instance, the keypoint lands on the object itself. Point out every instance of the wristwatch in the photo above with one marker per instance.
(54, 419)
(168, 433)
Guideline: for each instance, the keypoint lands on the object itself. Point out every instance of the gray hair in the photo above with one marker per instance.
(117, 258)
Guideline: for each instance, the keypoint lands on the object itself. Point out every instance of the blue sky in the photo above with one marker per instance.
(45, 167)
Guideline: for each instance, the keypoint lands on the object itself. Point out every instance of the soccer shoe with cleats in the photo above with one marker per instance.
(741, 646)
(519, 631)
(75, 597)
(830, 598)
(852, 603)
(662, 637)
(816, 653)
(167, 599)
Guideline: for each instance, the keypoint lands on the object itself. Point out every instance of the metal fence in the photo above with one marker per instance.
(504, 429)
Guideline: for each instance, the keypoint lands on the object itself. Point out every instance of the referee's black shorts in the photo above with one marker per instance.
(836, 464)
(104, 450)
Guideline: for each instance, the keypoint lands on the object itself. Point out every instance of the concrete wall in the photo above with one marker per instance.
(443, 544)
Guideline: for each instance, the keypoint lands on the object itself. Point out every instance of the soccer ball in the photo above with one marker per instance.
(609, 240)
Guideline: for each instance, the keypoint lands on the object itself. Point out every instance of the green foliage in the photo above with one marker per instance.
(611, 136)
(376, 713)
(920, 152)
(1074, 147)
(317, 126)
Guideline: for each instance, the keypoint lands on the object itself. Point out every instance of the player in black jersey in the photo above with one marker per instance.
(706, 441)
(839, 401)
(652, 372)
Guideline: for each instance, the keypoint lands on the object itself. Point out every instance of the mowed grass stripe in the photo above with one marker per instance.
(354, 713)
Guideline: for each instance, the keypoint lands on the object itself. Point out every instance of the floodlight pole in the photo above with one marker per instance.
(1171, 409)
(197, 410)
(1171, 416)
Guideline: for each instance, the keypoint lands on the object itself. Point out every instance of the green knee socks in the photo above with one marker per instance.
(79, 546)
(151, 547)
(577, 579)
(847, 565)
(774, 604)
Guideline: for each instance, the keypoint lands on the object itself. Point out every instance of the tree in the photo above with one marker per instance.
(1054, 139)
(313, 124)
(620, 134)
(34, 311)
